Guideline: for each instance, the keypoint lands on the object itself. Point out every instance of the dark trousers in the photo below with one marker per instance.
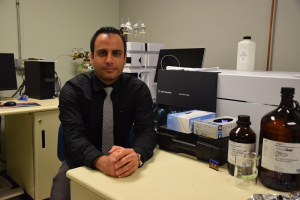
(61, 184)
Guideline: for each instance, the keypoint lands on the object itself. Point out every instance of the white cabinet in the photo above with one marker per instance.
(32, 151)
(142, 60)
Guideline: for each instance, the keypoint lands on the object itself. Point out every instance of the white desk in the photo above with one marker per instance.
(165, 176)
(46, 104)
(31, 158)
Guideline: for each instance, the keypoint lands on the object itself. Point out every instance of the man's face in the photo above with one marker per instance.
(108, 57)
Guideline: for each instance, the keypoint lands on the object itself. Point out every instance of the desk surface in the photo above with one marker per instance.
(46, 104)
(166, 176)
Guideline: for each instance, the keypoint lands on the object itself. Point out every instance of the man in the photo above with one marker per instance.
(81, 105)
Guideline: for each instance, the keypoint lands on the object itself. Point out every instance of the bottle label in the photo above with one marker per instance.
(243, 55)
(280, 156)
(235, 147)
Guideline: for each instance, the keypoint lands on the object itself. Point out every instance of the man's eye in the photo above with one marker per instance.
(117, 54)
(102, 53)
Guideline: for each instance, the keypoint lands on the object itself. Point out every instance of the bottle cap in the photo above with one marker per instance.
(247, 37)
(243, 119)
(287, 90)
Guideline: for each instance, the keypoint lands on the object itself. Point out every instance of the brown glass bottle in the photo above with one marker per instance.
(281, 127)
(241, 138)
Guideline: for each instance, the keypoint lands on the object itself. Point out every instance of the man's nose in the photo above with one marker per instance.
(109, 58)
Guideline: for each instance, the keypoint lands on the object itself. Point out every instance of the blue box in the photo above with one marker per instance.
(184, 121)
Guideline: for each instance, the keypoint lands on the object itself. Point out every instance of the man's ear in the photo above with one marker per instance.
(125, 58)
(92, 58)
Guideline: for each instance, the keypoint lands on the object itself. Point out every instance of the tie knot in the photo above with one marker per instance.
(108, 90)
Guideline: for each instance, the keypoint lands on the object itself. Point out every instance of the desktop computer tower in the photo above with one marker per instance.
(40, 79)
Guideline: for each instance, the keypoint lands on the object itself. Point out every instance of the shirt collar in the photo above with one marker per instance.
(99, 85)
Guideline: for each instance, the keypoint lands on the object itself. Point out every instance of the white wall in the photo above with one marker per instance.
(52, 28)
(219, 25)
(286, 56)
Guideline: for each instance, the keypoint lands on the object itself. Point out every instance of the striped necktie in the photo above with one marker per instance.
(108, 122)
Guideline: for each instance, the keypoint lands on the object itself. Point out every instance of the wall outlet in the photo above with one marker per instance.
(20, 63)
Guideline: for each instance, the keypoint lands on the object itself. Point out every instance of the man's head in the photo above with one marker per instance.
(108, 30)
(108, 54)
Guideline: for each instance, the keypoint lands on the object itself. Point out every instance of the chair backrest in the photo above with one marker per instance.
(61, 152)
(131, 138)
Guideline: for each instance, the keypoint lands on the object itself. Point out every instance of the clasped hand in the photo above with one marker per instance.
(119, 163)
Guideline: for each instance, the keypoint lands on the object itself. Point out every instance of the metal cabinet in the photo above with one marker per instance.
(31, 141)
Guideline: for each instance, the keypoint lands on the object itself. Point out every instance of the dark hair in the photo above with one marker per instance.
(108, 30)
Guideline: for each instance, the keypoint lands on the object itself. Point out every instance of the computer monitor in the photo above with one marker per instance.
(190, 57)
(8, 80)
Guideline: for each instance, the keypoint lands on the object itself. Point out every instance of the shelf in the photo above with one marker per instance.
(11, 193)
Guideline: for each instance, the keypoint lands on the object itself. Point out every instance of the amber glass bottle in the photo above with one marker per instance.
(241, 139)
(279, 145)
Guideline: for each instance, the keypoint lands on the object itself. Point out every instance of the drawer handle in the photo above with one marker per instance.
(43, 139)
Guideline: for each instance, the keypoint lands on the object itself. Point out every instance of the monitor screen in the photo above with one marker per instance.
(8, 79)
(191, 57)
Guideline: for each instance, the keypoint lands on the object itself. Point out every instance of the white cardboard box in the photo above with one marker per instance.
(184, 121)
(215, 128)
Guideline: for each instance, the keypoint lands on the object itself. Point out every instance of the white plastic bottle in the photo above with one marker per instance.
(246, 54)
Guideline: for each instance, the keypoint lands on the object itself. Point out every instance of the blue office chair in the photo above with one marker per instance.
(131, 138)
(61, 152)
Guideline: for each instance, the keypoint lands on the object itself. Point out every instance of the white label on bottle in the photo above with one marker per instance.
(243, 55)
(280, 156)
(235, 147)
